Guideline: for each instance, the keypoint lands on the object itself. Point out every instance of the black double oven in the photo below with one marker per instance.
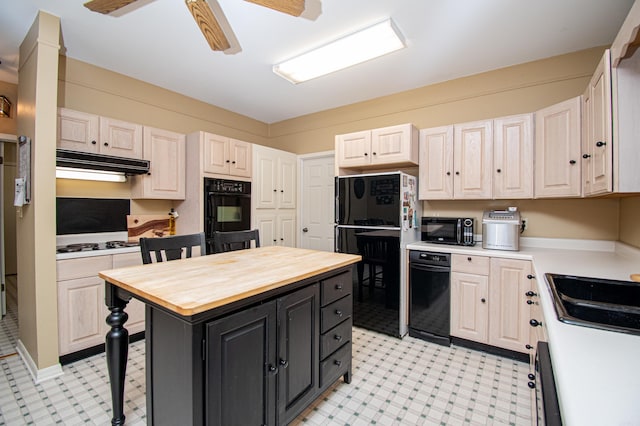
(227, 207)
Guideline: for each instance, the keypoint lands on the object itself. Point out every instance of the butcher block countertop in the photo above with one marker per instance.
(192, 286)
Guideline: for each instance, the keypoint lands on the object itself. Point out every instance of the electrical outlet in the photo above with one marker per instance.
(524, 223)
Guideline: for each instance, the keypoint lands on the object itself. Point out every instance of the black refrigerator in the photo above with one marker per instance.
(376, 216)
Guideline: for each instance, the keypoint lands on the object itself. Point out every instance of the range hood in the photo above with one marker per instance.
(89, 161)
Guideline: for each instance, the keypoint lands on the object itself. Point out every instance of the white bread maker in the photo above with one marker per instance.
(501, 229)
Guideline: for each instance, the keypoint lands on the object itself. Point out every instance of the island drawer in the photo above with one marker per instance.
(335, 365)
(333, 314)
(334, 338)
(335, 288)
(478, 265)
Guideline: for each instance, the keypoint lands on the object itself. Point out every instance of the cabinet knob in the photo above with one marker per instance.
(531, 376)
(572, 162)
(275, 190)
(528, 347)
(227, 161)
(284, 363)
(93, 142)
(272, 368)
(338, 312)
(600, 143)
(282, 190)
(448, 173)
(365, 154)
(305, 229)
(338, 286)
(106, 144)
(469, 259)
(483, 300)
(233, 162)
(499, 170)
(337, 362)
(457, 173)
(535, 323)
(585, 156)
(374, 153)
(531, 385)
(337, 337)
(531, 276)
(529, 302)
(530, 294)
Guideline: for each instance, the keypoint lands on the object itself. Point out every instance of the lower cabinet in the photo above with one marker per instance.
(81, 309)
(489, 301)
(259, 365)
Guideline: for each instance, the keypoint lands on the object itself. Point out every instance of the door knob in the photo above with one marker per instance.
(305, 229)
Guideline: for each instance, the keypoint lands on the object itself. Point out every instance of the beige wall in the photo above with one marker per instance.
(518, 89)
(629, 216)
(35, 223)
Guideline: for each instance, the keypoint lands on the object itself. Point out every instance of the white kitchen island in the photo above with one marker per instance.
(597, 372)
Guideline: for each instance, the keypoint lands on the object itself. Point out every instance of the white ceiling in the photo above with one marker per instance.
(159, 43)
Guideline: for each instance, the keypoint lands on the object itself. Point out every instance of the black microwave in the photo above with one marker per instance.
(448, 230)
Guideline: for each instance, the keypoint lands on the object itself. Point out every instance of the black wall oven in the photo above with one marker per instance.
(227, 207)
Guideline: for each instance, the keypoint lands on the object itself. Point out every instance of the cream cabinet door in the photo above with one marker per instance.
(120, 138)
(597, 160)
(215, 154)
(265, 222)
(287, 229)
(78, 131)
(394, 144)
(436, 163)
(352, 149)
(81, 314)
(557, 150)
(240, 157)
(513, 157)
(166, 178)
(287, 180)
(509, 313)
(472, 159)
(469, 308)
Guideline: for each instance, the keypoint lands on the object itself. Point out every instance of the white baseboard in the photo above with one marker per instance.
(38, 376)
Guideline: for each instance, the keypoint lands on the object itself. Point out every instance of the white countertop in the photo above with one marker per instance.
(597, 372)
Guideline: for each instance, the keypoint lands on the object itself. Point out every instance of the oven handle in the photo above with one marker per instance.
(429, 268)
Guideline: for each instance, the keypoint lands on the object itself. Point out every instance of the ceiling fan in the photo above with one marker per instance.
(212, 25)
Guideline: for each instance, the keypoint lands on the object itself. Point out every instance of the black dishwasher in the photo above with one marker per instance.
(430, 296)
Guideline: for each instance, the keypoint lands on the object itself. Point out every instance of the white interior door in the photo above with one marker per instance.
(317, 202)
(3, 285)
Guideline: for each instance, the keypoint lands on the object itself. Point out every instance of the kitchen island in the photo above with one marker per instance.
(244, 337)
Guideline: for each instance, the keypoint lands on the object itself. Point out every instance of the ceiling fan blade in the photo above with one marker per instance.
(106, 6)
(208, 24)
(291, 7)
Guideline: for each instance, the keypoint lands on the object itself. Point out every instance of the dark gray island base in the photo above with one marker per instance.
(257, 360)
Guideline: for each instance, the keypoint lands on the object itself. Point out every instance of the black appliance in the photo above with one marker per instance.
(91, 215)
(227, 207)
(91, 161)
(430, 296)
(375, 216)
(547, 405)
(448, 230)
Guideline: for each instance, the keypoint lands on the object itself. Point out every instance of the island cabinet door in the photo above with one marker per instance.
(298, 336)
(241, 368)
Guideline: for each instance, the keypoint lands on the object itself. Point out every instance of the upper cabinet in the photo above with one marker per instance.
(597, 133)
(166, 178)
(472, 157)
(79, 131)
(557, 150)
(513, 157)
(388, 146)
(226, 156)
(478, 160)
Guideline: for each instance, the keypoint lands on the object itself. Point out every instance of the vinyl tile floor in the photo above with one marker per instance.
(395, 382)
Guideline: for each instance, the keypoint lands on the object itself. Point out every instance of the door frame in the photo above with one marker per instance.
(301, 162)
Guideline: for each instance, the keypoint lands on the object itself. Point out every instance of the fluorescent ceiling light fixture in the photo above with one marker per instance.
(82, 174)
(358, 47)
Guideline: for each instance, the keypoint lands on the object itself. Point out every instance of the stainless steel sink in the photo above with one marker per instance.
(599, 303)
